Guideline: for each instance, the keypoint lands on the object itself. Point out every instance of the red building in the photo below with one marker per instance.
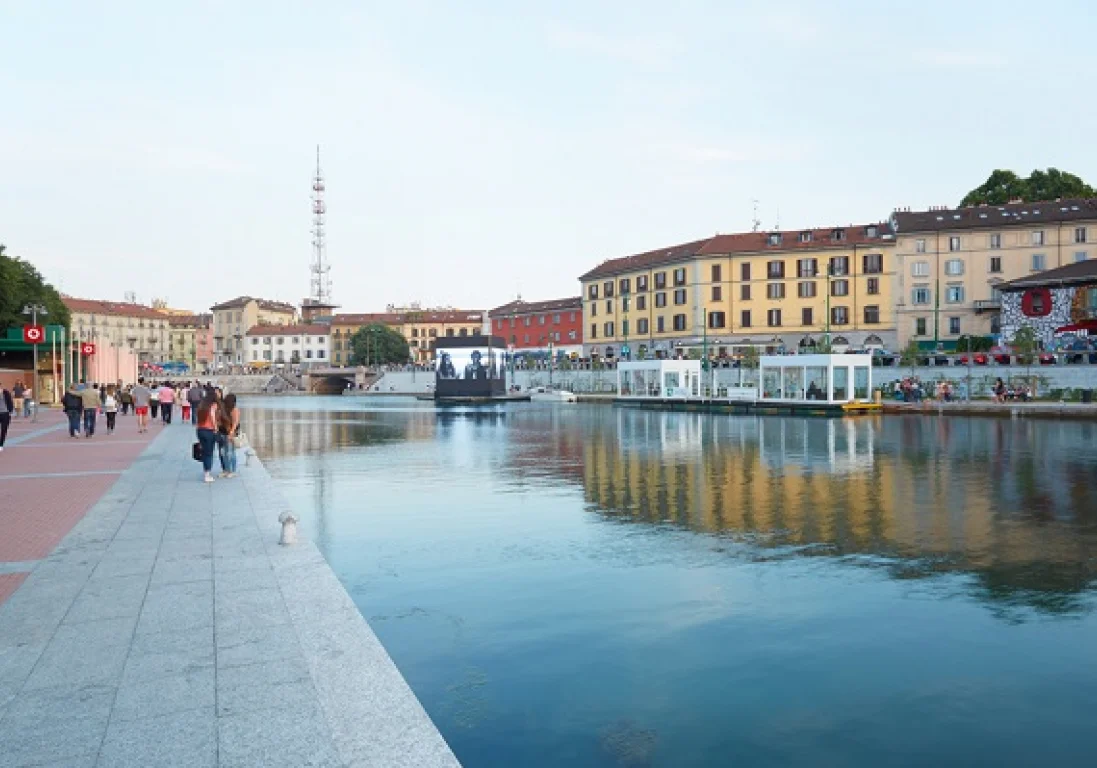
(531, 326)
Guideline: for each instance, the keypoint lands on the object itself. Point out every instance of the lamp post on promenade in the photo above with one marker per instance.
(34, 310)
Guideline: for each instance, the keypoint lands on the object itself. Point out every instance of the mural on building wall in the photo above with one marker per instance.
(1032, 308)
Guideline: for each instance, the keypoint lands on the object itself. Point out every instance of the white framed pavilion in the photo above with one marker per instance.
(659, 378)
(815, 378)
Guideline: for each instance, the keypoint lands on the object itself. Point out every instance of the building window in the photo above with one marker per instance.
(593, 310)
(873, 286)
(572, 335)
(744, 318)
(920, 269)
(995, 263)
(642, 325)
(641, 283)
(773, 318)
(529, 320)
(775, 290)
(308, 354)
(624, 303)
(1079, 234)
(774, 238)
(717, 320)
(995, 241)
(641, 302)
(873, 263)
(679, 322)
(744, 293)
(607, 288)
(954, 294)
(594, 330)
(1038, 262)
(839, 265)
(870, 230)
(919, 296)
(680, 276)
(838, 235)
(717, 293)
(1080, 256)
(807, 316)
(954, 267)
(806, 267)
(839, 315)
(464, 331)
(716, 273)
(954, 243)
(525, 338)
(806, 290)
(660, 299)
(920, 245)
(679, 296)
(625, 285)
(542, 319)
(775, 269)
(592, 292)
(839, 288)
(556, 319)
(805, 237)
(954, 325)
(919, 326)
(571, 318)
(609, 309)
(660, 326)
(744, 272)
(872, 315)
(660, 279)
(1038, 237)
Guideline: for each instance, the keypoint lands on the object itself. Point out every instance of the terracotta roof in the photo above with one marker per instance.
(995, 216)
(316, 329)
(187, 321)
(241, 301)
(113, 308)
(398, 318)
(520, 307)
(747, 242)
(1071, 274)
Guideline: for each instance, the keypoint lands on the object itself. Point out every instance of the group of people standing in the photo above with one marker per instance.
(218, 427)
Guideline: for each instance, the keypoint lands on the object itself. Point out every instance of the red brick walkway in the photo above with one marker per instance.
(50, 481)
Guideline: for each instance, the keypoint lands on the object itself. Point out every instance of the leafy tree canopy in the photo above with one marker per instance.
(22, 284)
(1003, 186)
(377, 344)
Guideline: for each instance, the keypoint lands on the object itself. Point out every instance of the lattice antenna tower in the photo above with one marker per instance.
(320, 269)
(755, 222)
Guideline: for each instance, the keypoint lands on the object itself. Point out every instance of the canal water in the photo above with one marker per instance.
(590, 586)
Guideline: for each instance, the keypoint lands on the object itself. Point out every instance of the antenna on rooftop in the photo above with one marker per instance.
(777, 224)
(755, 222)
(130, 297)
(321, 277)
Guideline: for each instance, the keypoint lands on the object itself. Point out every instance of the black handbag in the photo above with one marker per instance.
(196, 451)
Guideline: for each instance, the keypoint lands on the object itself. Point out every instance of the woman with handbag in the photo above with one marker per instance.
(229, 427)
(208, 421)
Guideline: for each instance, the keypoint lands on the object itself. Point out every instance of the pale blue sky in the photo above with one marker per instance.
(474, 149)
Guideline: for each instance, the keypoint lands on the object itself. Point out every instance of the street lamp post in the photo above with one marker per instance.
(34, 310)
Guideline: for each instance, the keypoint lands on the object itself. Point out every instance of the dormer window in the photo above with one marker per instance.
(805, 237)
(774, 238)
(870, 231)
(838, 234)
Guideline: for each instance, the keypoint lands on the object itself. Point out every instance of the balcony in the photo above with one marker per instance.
(988, 305)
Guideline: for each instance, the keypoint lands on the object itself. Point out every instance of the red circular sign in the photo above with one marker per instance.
(87, 349)
(33, 334)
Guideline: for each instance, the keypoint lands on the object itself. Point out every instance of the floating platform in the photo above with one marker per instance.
(474, 399)
(764, 407)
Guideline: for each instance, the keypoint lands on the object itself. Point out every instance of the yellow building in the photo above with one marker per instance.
(768, 290)
(190, 340)
(419, 326)
(950, 261)
(234, 318)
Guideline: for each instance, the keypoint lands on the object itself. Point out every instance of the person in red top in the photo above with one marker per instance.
(207, 432)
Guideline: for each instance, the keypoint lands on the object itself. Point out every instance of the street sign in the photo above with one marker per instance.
(87, 349)
(33, 334)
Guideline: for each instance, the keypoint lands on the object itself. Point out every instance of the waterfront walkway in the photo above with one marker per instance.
(153, 620)
(1041, 409)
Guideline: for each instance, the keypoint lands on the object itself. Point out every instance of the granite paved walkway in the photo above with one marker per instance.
(169, 628)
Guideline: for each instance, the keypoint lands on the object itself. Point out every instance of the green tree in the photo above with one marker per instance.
(749, 358)
(377, 344)
(974, 343)
(910, 354)
(1002, 186)
(1024, 345)
(22, 284)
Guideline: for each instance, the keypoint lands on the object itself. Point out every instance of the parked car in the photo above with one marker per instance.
(979, 358)
(1047, 358)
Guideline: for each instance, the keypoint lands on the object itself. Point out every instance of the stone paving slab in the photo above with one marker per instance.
(169, 628)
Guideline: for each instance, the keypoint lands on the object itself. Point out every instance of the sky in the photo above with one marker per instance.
(474, 151)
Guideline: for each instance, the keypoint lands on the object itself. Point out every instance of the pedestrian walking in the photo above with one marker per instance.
(28, 401)
(167, 402)
(125, 398)
(228, 427)
(7, 405)
(74, 409)
(207, 433)
(154, 399)
(17, 393)
(142, 397)
(110, 408)
(184, 403)
(194, 398)
(90, 398)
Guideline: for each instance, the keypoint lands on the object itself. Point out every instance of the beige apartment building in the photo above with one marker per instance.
(234, 318)
(950, 262)
(767, 290)
(125, 325)
(419, 326)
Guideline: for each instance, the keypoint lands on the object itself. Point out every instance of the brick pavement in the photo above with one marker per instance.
(168, 627)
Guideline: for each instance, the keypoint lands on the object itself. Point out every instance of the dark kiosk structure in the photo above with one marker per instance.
(469, 369)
